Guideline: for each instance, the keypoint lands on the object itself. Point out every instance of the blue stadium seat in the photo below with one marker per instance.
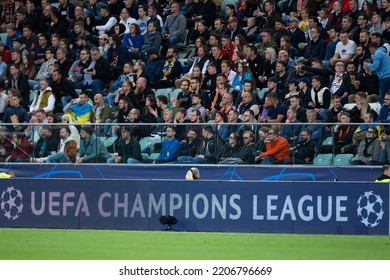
(174, 93)
(328, 141)
(343, 159)
(163, 91)
(183, 46)
(3, 37)
(323, 159)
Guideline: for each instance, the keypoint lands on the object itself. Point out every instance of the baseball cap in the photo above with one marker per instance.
(304, 80)
(127, 128)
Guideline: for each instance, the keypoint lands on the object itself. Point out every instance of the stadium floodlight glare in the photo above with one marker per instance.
(168, 220)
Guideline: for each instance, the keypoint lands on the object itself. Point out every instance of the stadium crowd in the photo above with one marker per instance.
(230, 82)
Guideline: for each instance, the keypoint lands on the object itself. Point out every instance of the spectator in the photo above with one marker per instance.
(369, 149)
(129, 150)
(277, 148)
(80, 109)
(92, 150)
(170, 147)
(44, 98)
(22, 149)
(47, 143)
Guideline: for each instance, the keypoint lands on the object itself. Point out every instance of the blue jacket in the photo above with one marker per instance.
(380, 65)
(169, 150)
(384, 115)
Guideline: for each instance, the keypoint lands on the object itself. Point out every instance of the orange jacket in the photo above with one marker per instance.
(278, 149)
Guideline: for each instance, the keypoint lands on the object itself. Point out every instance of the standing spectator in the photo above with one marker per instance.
(380, 66)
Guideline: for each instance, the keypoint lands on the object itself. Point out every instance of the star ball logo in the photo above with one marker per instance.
(370, 209)
(11, 203)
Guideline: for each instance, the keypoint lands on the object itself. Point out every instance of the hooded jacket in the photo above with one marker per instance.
(381, 62)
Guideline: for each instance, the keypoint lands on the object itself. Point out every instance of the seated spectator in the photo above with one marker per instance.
(15, 114)
(101, 113)
(171, 70)
(170, 147)
(277, 148)
(154, 66)
(117, 55)
(317, 130)
(291, 132)
(304, 151)
(277, 110)
(320, 97)
(18, 80)
(22, 149)
(343, 133)
(369, 150)
(80, 109)
(210, 147)
(92, 149)
(248, 148)
(189, 147)
(231, 150)
(260, 146)
(249, 123)
(44, 98)
(97, 75)
(62, 89)
(6, 145)
(66, 151)
(384, 113)
(129, 150)
(47, 143)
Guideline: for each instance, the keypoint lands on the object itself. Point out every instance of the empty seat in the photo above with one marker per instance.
(164, 91)
(343, 159)
(323, 159)
(328, 141)
(174, 93)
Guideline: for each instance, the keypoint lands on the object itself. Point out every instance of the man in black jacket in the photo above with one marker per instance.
(62, 89)
(97, 75)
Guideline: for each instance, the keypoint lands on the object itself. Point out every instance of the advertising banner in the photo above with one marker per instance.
(209, 172)
(333, 207)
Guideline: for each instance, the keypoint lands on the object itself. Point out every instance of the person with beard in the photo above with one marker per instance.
(44, 98)
(183, 99)
(303, 152)
(369, 149)
(67, 149)
(180, 118)
(343, 135)
(101, 113)
(47, 143)
(189, 147)
(137, 98)
(92, 149)
(129, 149)
(171, 70)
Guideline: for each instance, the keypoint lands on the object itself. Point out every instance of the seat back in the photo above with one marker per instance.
(323, 159)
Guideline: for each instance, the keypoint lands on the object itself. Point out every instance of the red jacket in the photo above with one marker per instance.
(278, 149)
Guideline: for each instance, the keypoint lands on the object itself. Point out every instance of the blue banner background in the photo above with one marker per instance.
(192, 215)
(208, 172)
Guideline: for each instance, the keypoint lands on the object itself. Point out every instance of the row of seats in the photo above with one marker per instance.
(331, 159)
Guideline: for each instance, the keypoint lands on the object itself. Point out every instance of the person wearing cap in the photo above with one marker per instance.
(103, 45)
(197, 104)
(233, 29)
(129, 150)
(304, 86)
(82, 42)
(296, 35)
(154, 66)
(19, 44)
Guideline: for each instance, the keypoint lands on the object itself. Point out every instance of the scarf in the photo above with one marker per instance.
(168, 66)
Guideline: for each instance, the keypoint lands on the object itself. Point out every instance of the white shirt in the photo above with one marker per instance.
(344, 50)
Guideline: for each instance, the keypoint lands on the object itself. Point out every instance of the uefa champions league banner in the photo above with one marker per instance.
(333, 207)
(209, 172)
